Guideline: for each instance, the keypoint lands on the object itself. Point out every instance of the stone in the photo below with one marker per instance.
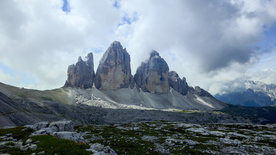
(81, 75)
(114, 69)
(62, 126)
(149, 138)
(45, 131)
(40, 125)
(217, 133)
(55, 127)
(152, 75)
(33, 147)
(99, 149)
(179, 85)
(40, 153)
(28, 141)
(69, 135)
(191, 142)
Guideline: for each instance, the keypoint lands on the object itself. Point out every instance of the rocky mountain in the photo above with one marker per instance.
(153, 75)
(11, 113)
(179, 85)
(114, 69)
(251, 93)
(113, 90)
(81, 75)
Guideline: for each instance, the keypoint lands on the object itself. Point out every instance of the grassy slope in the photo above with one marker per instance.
(58, 95)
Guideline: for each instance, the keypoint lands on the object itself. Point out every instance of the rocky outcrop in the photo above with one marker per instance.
(114, 69)
(152, 76)
(60, 129)
(81, 75)
(180, 85)
(201, 92)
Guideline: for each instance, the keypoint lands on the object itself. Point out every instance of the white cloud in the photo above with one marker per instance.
(39, 39)
(210, 42)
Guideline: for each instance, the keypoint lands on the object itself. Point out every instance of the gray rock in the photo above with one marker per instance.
(45, 131)
(33, 146)
(217, 133)
(53, 127)
(40, 125)
(149, 138)
(69, 135)
(114, 69)
(152, 76)
(201, 92)
(28, 141)
(62, 126)
(201, 131)
(99, 149)
(191, 142)
(180, 85)
(81, 75)
(230, 141)
(40, 153)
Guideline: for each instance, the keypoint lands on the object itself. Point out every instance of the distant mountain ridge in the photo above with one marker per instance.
(252, 93)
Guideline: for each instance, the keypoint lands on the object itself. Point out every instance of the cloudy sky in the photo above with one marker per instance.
(213, 43)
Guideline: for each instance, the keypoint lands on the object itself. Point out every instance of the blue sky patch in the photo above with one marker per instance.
(6, 69)
(66, 6)
(28, 80)
(116, 4)
(98, 50)
(127, 19)
(269, 39)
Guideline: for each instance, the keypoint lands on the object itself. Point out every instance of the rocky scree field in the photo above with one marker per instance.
(156, 137)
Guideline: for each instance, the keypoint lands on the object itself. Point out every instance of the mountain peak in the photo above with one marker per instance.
(114, 68)
(116, 44)
(152, 76)
(154, 53)
(80, 59)
(81, 75)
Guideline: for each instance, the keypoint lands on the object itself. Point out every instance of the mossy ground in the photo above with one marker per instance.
(48, 144)
(158, 137)
(168, 137)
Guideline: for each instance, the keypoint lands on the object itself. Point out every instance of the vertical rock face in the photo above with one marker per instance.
(180, 85)
(81, 75)
(152, 76)
(114, 69)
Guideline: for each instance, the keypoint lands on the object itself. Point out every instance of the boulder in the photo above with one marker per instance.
(152, 75)
(69, 135)
(62, 126)
(114, 69)
(45, 131)
(81, 75)
(40, 125)
(100, 149)
(180, 85)
(44, 128)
